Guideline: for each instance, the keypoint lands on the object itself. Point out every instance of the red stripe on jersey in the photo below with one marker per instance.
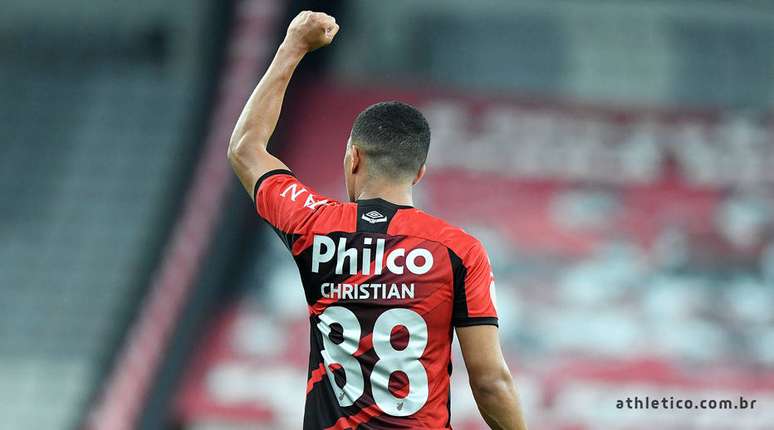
(317, 375)
(320, 305)
(365, 345)
(352, 421)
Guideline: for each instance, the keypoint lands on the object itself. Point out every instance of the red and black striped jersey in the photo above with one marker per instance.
(385, 285)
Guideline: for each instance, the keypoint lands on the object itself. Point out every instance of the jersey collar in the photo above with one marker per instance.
(380, 201)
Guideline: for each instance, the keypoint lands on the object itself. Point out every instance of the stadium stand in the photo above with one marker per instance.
(96, 127)
(81, 218)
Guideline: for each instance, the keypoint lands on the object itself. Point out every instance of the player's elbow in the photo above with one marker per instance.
(245, 145)
(232, 154)
(493, 386)
(236, 150)
(233, 149)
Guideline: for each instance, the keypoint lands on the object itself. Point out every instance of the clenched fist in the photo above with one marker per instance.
(311, 30)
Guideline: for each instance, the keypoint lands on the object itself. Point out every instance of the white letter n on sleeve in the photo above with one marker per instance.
(294, 191)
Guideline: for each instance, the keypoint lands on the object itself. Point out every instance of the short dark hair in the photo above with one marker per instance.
(395, 137)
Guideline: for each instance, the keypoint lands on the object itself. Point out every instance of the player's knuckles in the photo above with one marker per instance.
(314, 24)
(323, 18)
(301, 17)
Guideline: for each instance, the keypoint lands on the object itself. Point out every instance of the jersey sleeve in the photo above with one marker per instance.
(286, 204)
(474, 301)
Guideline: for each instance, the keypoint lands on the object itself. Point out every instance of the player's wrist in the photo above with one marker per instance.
(292, 49)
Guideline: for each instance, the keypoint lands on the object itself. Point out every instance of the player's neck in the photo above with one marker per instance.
(399, 195)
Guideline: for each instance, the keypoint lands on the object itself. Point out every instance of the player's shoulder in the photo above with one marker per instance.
(421, 224)
(298, 202)
(282, 183)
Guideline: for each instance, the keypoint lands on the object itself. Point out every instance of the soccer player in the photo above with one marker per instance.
(386, 284)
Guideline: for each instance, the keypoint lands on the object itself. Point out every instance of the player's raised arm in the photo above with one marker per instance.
(490, 378)
(247, 148)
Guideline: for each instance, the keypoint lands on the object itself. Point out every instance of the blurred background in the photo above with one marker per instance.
(615, 157)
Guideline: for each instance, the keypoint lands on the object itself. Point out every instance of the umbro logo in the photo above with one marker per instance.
(374, 217)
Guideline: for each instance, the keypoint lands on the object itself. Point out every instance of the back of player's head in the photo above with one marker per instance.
(395, 138)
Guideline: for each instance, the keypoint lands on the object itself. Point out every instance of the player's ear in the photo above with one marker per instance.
(420, 175)
(356, 159)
